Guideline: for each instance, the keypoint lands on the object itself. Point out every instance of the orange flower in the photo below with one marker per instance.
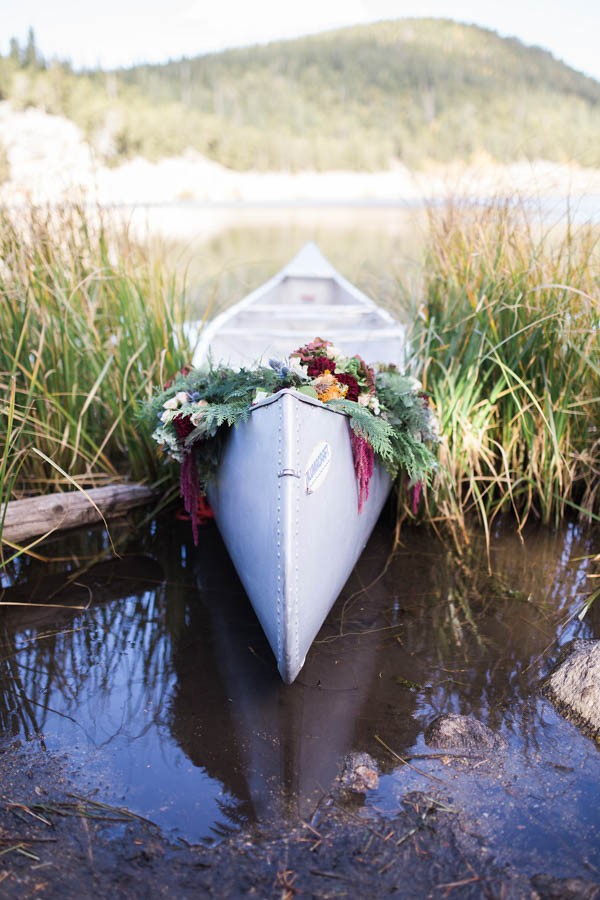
(329, 388)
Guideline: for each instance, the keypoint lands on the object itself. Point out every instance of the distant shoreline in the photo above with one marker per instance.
(49, 162)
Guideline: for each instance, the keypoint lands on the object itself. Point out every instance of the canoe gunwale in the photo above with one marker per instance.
(298, 395)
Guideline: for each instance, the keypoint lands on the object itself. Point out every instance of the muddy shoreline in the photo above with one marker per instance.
(58, 842)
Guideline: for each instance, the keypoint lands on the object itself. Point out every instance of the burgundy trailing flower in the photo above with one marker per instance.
(416, 496)
(190, 490)
(352, 384)
(364, 459)
(320, 365)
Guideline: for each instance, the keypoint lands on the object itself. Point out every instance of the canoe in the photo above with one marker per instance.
(308, 297)
(285, 496)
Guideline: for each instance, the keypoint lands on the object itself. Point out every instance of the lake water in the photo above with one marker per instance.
(165, 698)
(228, 250)
(225, 253)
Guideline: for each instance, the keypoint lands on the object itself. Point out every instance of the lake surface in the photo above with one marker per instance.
(225, 251)
(164, 695)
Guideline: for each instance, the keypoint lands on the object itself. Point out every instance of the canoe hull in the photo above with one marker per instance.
(285, 500)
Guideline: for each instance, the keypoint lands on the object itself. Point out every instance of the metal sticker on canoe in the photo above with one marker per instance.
(317, 467)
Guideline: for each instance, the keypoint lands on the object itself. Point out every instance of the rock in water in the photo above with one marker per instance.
(454, 732)
(549, 888)
(574, 686)
(359, 773)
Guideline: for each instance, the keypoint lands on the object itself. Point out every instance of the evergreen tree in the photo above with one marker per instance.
(32, 59)
(14, 51)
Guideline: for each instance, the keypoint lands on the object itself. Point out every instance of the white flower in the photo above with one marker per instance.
(260, 395)
(364, 399)
(171, 403)
(296, 367)
(182, 397)
(197, 417)
(334, 352)
(374, 405)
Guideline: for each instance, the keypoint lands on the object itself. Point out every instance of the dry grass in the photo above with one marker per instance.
(507, 339)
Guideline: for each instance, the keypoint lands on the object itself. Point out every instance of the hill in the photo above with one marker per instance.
(412, 90)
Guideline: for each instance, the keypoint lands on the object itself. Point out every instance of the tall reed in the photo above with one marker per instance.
(508, 339)
(88, 320)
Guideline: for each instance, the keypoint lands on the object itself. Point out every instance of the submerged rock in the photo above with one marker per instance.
(454, 732)
(359, 773)
(549, 888)
(574, 686)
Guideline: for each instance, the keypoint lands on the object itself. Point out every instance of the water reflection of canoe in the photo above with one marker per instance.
(285, 497)
(277, 751)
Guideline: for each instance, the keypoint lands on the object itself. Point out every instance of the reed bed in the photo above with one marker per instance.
(507, 341)
(88, 322)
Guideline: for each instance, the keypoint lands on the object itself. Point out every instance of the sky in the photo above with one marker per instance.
(113, 33)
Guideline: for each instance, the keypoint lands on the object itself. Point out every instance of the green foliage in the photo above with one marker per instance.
(508, 341)
(197, 408)
(417, 90)
(377, 431)
(87, 321)
(403, 437)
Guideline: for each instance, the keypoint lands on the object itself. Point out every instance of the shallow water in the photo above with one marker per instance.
(164, 694)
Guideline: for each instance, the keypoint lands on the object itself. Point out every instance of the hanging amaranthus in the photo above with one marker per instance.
(364, 459)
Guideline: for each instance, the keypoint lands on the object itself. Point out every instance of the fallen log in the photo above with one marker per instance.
(24, 519)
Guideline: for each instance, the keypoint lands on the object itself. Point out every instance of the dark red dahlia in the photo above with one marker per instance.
(183, 426)
(352, 384)
(319, 365)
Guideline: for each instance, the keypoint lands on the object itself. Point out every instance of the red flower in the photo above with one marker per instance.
(352, 384)
(368, 373)
(364, 459)
(320, 365)
(183, 426)
(184, 371)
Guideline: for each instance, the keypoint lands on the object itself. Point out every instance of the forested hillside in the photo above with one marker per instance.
(417, 91)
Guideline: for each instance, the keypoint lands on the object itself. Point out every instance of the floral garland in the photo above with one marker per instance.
(391, 418)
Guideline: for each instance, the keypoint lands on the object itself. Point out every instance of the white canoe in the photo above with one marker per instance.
(308, 298)
(285, 496)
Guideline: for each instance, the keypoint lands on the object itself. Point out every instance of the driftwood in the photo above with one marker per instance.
(34, 516)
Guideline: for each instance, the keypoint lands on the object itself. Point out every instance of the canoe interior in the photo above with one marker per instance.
(308, 298)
